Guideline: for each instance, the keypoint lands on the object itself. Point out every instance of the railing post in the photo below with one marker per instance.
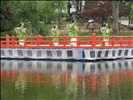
(112, 41)
(99, 40)
(13, 40)
(38, 40)
(121, 41)
(93, 40)
(64, 41)
(25, 44)
(7, 40)
(129, 38)
(78, 41)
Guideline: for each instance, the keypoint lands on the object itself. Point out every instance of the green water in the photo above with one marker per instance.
(52, 80)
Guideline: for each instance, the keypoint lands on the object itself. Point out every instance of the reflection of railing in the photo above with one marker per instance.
(85, 77)
(106, 79)
(56, 66)
(103, 79)
(64, 42)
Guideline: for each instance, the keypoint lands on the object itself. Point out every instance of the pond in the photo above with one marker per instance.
(66, 80)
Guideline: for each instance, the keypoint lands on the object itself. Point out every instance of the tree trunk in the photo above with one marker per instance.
(77, 6)
(102, 20)
(108, 20)
(59, 16)
(68, 7)
(59, 19)
(115, 15)
(80, 9)
(129, 21)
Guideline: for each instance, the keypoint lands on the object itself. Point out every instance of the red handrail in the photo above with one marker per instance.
(92, 41)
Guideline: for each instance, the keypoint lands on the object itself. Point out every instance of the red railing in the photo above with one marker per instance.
(92, 41)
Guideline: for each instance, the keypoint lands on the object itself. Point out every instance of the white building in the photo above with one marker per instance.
(125, 21)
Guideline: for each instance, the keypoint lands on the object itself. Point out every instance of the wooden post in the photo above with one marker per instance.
(64, 41)
(13, 41)
(121, 42)
(93, 40)
(129, 38)
(112, 40)
(38, 40)
(7, 40)
(78, 41)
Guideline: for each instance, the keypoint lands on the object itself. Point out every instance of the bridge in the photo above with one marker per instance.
(85, 48)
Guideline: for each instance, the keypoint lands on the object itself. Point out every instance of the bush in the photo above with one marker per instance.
(10, 33)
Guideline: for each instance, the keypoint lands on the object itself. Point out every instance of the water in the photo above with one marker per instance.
(60, 80)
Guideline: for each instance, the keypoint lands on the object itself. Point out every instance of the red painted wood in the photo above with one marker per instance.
(92, 41)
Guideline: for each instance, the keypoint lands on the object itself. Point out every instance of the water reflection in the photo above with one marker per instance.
(56, 80)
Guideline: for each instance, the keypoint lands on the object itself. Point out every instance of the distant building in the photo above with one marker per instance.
(73, 6)
(126, 21)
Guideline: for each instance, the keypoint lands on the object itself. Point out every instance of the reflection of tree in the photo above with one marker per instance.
(103, 86)
(83, 86)
(57, 80)
(20, 83)
(109, 86)
(72, 86)
(93, 82)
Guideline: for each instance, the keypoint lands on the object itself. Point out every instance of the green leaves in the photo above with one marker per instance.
(131, 13)
(34, 12)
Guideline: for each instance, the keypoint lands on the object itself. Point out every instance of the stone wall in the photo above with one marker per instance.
(75, 54)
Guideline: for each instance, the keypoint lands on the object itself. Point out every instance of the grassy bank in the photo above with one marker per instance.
(99, 33)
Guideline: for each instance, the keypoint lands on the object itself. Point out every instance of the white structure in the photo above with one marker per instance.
(125, 21)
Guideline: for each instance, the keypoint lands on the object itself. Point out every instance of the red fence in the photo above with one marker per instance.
(92, 41)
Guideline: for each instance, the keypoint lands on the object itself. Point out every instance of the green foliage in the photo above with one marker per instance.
(35, 14)
(131, 13)
(127, 5)
(10, 33)
(6, 25)
(6, 16)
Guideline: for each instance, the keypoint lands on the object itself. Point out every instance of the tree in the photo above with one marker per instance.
(103, 10)
(128, 10)
(62, 5)
(68, 7)
(78, 6)
(98, 9)
(131, 12)
(115, 15)
(6, 16)
(36, 14)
